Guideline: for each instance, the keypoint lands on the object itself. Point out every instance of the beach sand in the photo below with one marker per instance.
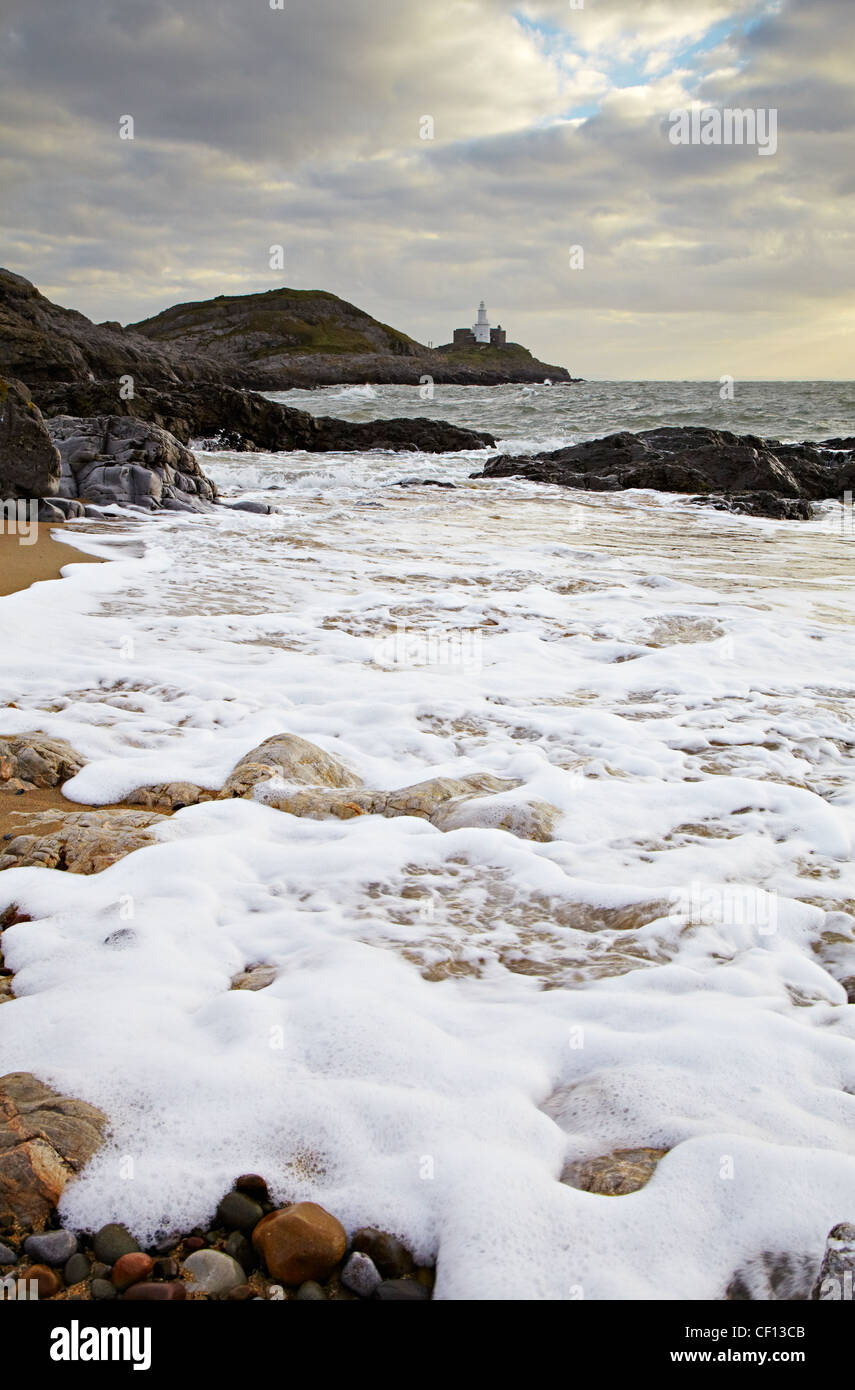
(23, 565)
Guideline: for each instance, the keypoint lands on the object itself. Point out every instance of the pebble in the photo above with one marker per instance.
(240, 1293)
(131, 1269)
(311, 1291)
(101, 1289)
(360, 1275)
(155, 1293)
(51, 1248)
(7, 1256)
(47, 1279)
(112, 1242)
(193, 1243)
(300, 1242)
(166, 1269)
(389, 1254)
(253, 1186)
(76, 1269)
(100, 1271)
(400, 1290)
(240, 1249)
(213, 1272)
(237, 1212)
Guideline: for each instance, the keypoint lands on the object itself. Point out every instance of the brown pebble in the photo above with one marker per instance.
(243, 1291)
(48, 1280)
(300, 1242)
(251, 1185)
(155, 1293)
(194, 1243)
(131, 1269)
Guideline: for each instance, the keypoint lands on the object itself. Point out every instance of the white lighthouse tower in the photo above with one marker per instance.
(481, 329)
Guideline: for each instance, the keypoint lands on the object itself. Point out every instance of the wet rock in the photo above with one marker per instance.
(430, 800)
(360, 1274)
(193, 1243)
(300, 1242)
(45, 1138)
(166, 1268)
(213, 1272)
(155, 1293)
(131, 1269)
(112, 1242)
(401, 1291)
(311, 1292)
(254, 1186)
(388, 1253)
(238, 1212)
(109, 459)
(102, 1289)
(47, 1280)
(51, 1248)
(257, 977)
(241, 1293)
(240, 1249)
(836, 1279)
(7, 1255)
(29, 462)
(615, 1174)
(77, 1269)
(288, 758)
(34, 760)
(80, 842)
(528, 819)
(422, 482)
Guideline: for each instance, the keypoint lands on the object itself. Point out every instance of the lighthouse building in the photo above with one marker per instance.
(481, 332)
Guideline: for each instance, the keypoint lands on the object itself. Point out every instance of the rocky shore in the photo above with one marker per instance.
(736, 473)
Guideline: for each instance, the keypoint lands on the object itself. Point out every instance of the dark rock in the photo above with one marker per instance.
(260, 508)
(254, 1186)
(7, 1255)
(735, 472)
(193, 1243)
(77, 1269)
(401, 1291)
(167, 1268)
(238, 1212)
(241, 1250)
(102, 1289)
(389, 1254)
(155, 1293)
(422, 482)
(29, 462)
(112, 1242)
(360, 1274)
(240, 1294)
(99, 1270)
(52, 1248)
(125, 461)
(311, 1292)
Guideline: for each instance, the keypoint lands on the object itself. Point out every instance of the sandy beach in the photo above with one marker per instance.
(23, 565)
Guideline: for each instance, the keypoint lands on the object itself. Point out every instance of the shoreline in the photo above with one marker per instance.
(22, 565)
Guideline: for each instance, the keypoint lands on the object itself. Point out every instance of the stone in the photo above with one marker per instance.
(212, 1271)
(528, 819)
(155, 1293)
(836, 1279)
(240, 1293)
(7, 1255)
(237, 1212)
(47, 1279)
(112, 1242)
(118, 459)
(401, 1291)
(255, 978)
(76, 1269)
(169, 796)
(360, 1274)
(193, 1243)
(254, 1186)
(167, 1268)
(35, 760)
(29, 462)
(288, 758)
(102, 1289)
(389, 1254)
(311, 1292)
(45, 1138)
(52, 1248)
(300, 1242)
(80, 842)
(166, 1245)
(615, 1174)
(132, 1268)
(431, 800)
(99, 1270)
(241, 1250)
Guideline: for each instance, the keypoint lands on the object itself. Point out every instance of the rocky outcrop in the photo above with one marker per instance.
(45, 1138)
(223, 418)
(738, 472)
(119, 459)
(288, 758)
(28, 761)
(29, 461)
(81, 842)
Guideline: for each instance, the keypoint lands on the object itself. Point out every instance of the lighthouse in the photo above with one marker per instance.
(481, 329)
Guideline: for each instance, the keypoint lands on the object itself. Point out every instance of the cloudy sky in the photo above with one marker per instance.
(302, 126)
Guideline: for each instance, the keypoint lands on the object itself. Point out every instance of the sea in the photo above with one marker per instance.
(644, 941)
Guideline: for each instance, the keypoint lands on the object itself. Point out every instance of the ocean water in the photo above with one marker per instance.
(459, 1014)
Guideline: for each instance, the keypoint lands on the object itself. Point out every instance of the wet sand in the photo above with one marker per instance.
(41, 799)
(23, 565)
